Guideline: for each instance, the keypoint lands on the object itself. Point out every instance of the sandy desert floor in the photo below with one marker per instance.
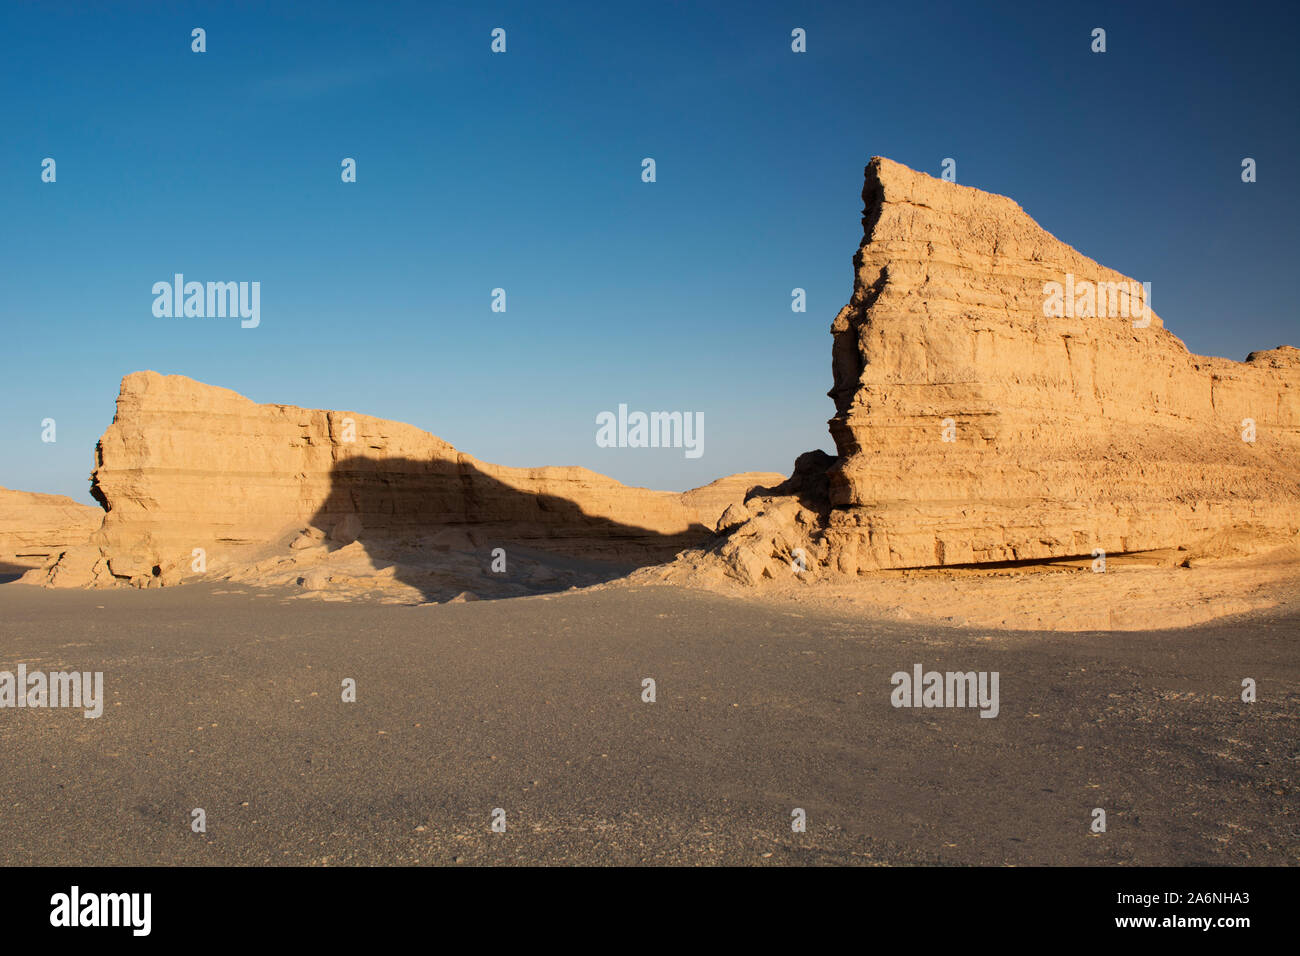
(228, 698)
(1135, 592)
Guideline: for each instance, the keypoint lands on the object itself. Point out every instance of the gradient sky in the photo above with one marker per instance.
(523, 171)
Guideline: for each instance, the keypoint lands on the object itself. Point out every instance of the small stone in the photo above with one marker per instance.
(347, 529)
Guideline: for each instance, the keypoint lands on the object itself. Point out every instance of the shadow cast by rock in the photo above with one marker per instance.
(448, 530)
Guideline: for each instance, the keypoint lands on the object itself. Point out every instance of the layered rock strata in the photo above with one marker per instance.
(194, 476)
(1072, 425)
(1000, 397)
(35, 528)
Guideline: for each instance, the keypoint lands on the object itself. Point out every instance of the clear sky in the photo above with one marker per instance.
(522, 171)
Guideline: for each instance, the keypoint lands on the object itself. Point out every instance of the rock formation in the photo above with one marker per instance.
(1000, 397)
(35, 529)
(197, 479)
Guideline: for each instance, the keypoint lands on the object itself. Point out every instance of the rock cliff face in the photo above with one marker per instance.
(1072, 425)
(1000, 397)
(188, 466)
(35, 529)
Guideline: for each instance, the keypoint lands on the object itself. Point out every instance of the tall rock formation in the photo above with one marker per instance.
(1000, 397)
(1072, 425)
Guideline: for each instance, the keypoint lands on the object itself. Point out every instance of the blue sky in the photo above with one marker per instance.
(522, 171)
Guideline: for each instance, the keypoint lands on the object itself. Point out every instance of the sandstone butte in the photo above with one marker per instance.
(1069, 433)
(188, 466)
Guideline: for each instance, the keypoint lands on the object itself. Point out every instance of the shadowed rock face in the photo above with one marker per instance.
(1073, 426)
(188, 466)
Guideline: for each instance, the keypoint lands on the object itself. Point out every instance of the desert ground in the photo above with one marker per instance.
(227, 698)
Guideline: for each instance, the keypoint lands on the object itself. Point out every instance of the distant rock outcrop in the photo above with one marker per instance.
(200, 480)
(35, 529)
(1000, 397)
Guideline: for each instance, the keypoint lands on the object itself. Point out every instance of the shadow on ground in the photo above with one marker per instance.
(12, 572)
(438, 523)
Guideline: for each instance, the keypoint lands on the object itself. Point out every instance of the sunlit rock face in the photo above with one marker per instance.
(1001, 397)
